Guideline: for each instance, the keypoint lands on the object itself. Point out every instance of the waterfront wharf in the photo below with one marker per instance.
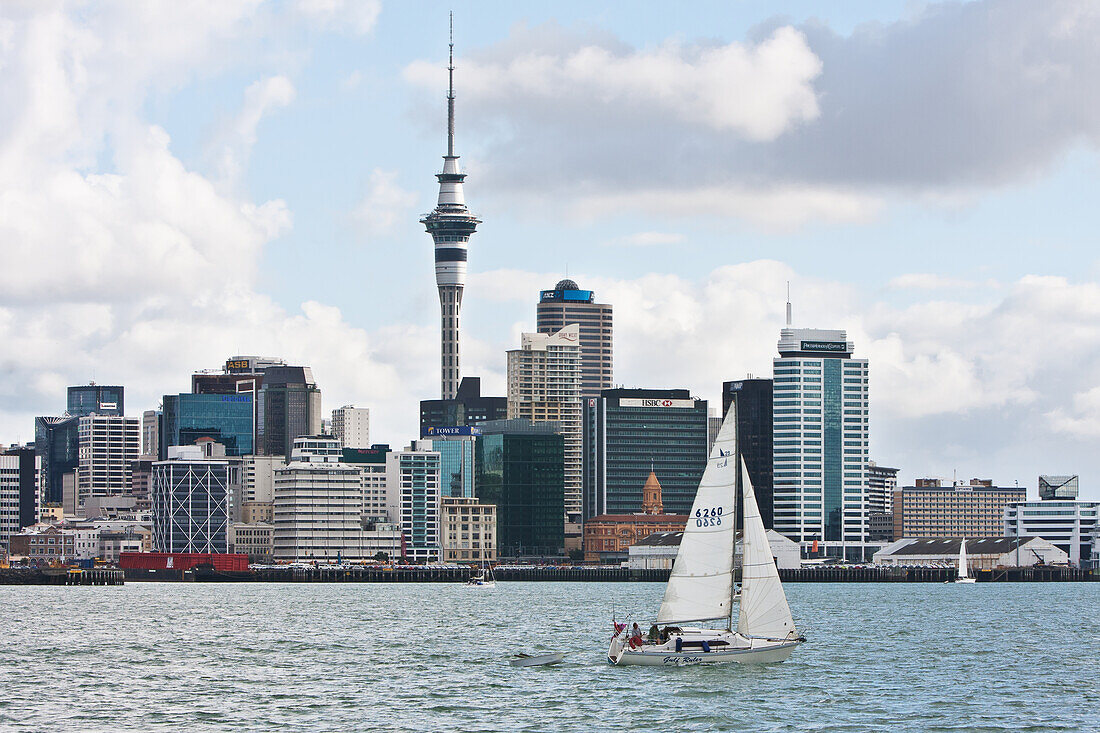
(61, 576)
(593, 573)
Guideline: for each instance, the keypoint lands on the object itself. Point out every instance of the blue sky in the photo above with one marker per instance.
(178, 184)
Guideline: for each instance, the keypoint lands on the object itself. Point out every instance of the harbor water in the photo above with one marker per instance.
(350, 657)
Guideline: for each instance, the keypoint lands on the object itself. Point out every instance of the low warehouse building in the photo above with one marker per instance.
(658, 551)
(982, 553)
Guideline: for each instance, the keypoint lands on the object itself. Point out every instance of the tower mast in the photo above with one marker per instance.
(450, 225)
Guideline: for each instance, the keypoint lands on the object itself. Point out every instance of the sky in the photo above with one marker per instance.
(183, 182)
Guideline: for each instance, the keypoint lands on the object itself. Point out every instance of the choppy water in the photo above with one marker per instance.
(258, 657)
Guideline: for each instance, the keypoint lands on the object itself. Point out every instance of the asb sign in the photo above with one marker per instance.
(238, 365)
(838, 346)
(656, 403)
(433, 432)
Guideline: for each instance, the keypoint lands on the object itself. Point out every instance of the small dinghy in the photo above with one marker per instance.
(536, 660)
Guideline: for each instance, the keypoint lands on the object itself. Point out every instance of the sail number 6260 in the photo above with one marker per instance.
(708, 517)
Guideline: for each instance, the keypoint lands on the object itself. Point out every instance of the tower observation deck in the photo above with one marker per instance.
(450, 225)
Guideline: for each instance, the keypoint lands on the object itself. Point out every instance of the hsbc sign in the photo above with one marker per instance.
(656, 403)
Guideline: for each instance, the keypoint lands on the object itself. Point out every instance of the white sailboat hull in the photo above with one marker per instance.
(738, 649)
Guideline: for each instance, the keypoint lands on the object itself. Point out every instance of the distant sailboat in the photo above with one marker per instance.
(701, 585)
(964, 565)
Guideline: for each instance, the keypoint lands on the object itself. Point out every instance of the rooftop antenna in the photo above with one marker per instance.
(451, 92)
(788, 303)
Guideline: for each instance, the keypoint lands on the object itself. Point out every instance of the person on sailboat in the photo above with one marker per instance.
(635, 636)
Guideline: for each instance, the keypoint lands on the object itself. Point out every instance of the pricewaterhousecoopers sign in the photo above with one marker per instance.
(840, 346)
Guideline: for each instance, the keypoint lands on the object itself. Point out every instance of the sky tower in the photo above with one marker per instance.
(450, 225)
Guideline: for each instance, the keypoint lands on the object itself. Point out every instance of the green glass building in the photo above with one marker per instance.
(520, 469)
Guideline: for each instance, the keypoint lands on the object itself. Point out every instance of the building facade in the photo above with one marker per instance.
(882, 482)
(544, 378)
(520, 470)
(567, 304)
(1072, 526)
(413, 496)
(608, 537)
(351, 426)
(469, 530)
(974, 509)
(107, 446)
(630, 433)
(150, 432)
(20, 487)
(288, 407)
(224, 418)
(467, 408)
(95, 399)
(192, 502)
(56, 442)
(254, 540)
(318, 505)
(752, 399)
(820, 430)
(455, 446)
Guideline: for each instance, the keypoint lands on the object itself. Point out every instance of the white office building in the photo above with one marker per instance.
(413, 496)
(107, 446)
(820, 421)
(544, 384)
(351, 426)
(318, 505)
(1072, 526)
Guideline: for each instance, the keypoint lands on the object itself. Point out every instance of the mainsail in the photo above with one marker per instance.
(701, 584)
(964, 570)
(764, 611)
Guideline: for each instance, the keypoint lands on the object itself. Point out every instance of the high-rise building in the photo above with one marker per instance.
(107, 447)
(520, 471)
(56, 444)
(753, 401)
(318, 505)
(450, 225)
(413, 496)
(225, 418)
(467, 408)
(974, 509)
(20, 485)
(566, 304)
(455, 446)
(288, 407)
(629, 433)
(351, 426)
(1058, 487)
(544, 378)
(97, 399)
(150, 432)
(820, 440)
(192, 501)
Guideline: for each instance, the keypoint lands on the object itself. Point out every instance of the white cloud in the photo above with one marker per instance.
(352, 16)
(932, 281)
(1081, 418)
(648, 239)
(385, 204)
(236, 141)
(758, 91)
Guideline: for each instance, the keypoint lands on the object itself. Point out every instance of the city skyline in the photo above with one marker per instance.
(265, 200)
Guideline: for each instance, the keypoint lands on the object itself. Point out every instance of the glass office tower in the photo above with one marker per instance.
(98, 398)
(227, 419)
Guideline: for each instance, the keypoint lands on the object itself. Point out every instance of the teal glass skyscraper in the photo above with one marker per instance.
(820, 421)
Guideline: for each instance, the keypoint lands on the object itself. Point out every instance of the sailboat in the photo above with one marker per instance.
(484, 579)
(964, 566)
(701, 587)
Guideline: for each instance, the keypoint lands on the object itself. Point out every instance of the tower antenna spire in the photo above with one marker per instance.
(451, 91)
(788, 303)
